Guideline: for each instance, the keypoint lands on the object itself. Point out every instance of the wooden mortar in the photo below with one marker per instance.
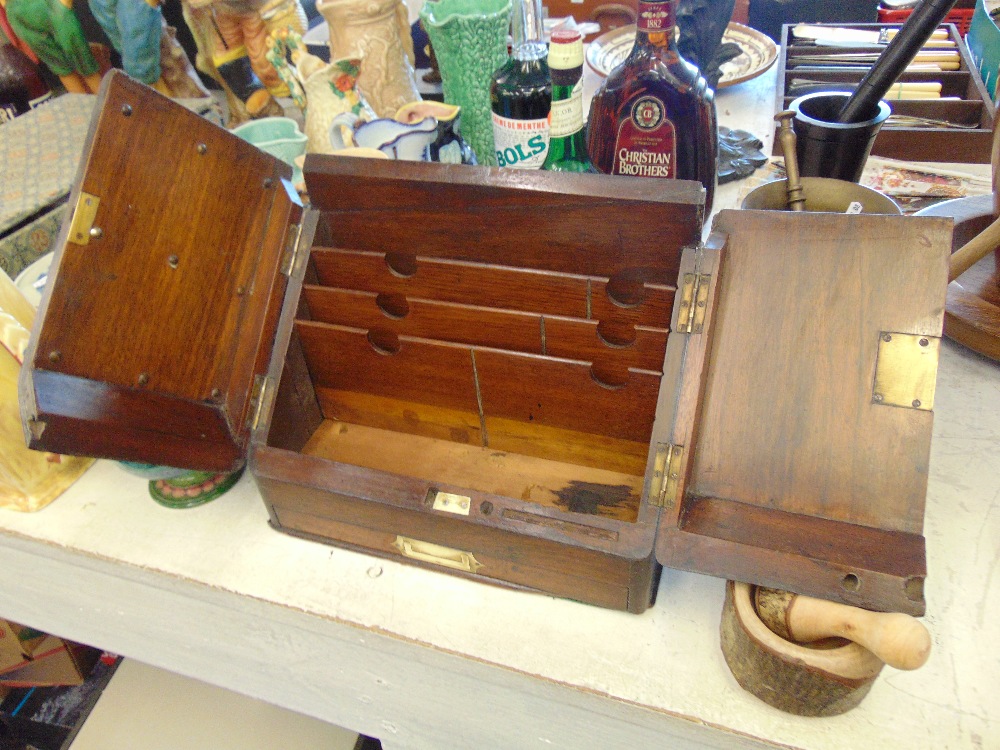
(822, 679)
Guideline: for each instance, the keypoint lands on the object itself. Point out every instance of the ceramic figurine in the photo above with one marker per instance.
(448, 146)
(221, 31)
(134, 28)
(321, 90)
(176, 69)
(378, 32)
(52, 30)
(397, 140)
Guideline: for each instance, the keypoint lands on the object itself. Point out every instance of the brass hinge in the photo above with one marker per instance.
(906, 370)
(292, 251)
(81, 227)
(694, 302)
(260, 399)
(666, 475)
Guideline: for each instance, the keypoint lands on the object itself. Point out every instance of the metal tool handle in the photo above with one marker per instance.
(796, 200)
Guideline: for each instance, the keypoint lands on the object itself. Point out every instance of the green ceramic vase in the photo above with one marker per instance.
(469, 38)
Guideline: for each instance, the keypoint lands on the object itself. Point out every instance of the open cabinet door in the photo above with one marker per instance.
(165, 290)
(803, 427)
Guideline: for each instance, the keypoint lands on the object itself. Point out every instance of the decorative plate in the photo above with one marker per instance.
(759, 52)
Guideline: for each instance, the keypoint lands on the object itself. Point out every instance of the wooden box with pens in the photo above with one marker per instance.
(939, 105)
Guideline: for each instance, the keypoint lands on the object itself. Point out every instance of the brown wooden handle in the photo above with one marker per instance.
(897, 639)
(975, 249)
(995, 165)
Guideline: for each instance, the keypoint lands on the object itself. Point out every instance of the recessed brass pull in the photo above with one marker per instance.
(436, 554)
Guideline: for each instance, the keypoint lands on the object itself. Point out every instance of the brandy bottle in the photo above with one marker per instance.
(521, 93)
(654, 115)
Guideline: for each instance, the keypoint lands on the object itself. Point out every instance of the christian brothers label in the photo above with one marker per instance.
(520, 143)
(646, 144)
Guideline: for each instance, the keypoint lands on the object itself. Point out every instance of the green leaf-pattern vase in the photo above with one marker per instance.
(469, 38)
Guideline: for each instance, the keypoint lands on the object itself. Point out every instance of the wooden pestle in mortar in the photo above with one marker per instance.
(899, 640)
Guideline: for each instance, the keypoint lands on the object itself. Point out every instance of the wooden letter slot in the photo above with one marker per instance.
(540, 380)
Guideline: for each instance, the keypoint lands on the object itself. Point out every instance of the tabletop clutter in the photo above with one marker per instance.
(544, 379)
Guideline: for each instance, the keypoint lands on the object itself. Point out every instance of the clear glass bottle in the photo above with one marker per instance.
(654, 115)
(567, 145)
(521, 93)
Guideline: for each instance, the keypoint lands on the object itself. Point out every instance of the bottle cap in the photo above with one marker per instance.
(566, 49)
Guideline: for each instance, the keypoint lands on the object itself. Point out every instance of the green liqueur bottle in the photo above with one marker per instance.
(567, 145)
(521, 93)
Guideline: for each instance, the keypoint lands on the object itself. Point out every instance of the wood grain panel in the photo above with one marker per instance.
(525, 573)
(629, 301)
(536, 480)
(421, 371)
(564, 393)
(593, 225)
(592, 341)
(405, 417)
(453, 281)
(569, 446)
(788, 418)
(621, 344)
(147, 278)
(462, 324)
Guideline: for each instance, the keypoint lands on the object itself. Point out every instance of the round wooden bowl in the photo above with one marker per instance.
(818, 679)
(972, 310)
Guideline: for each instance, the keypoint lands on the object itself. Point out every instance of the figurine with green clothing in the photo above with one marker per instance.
(53, 32)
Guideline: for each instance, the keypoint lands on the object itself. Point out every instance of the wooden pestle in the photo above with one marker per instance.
(796, 201)
(897, 639)
(987, 240)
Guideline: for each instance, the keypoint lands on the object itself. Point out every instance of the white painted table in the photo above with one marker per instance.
(426, 661)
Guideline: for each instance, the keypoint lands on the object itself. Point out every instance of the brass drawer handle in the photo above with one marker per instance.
(436, 554)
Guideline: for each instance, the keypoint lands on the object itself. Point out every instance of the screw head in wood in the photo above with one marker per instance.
(127, 110)
(55, 355)
(173, 261)
(143, 378)
(96, 233)
(202, 149)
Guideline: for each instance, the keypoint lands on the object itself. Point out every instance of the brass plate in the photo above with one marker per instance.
(451, 503)
(906, 370)
(81, 227)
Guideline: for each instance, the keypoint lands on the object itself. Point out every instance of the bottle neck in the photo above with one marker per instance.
(527, 30)
(655, 24)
